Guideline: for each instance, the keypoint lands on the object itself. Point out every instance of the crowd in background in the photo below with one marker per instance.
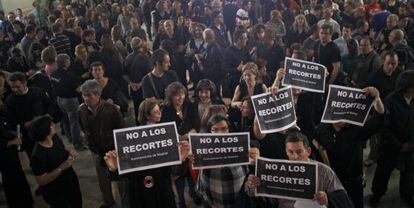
(93, 66)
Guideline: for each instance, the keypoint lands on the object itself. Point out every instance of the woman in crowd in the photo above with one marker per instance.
(212, 181)
(298, 32)
(158, 192)
(249, 86)
(111, 91)
(80, 64)
(210, 112)
(52, 165)
(181, 110)
(205, 96)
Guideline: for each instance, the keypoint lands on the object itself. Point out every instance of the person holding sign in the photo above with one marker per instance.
(222, 187)
(148, 188)
(330, 192)
(249, 86)
(344, 142)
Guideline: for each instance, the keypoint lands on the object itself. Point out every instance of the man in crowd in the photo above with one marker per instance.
(368, 62)
(97, 119)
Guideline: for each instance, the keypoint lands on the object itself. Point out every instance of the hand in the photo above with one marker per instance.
(253, 154)
(253, 181)
(67, 163)
(372, 91)
(280, 73)
(321, 198)
(184, 149)
(240, 66)
(326, 73)
(16, 141)
(135, 86)
(111, 160)
(73, 153)
(274, 89)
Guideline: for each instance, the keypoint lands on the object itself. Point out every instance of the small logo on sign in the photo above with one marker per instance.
(148, 181)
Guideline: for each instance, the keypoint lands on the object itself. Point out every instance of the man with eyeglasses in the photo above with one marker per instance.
(330, 192)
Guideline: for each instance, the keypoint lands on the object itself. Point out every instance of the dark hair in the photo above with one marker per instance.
(144, 110)
(389, 53)
(369, 39)
(205, 84)
(326, 26)
(352, 46)
(97, 64)
(158, 56)
(40, 127)
(17, 76)
(360, 23)
(87, 33)
(30, 28)
(346, 25)
(174, 89)
(295, 135)
(405, 81)
(238, 35)
(56, 27)
(215, 119)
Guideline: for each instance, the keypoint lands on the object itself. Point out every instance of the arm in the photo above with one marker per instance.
(256, 130)
(335, 72)
(49, 177)
(235, 102)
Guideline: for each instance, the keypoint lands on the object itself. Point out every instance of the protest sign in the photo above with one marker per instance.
(345, 104)
(275, 113)
(304, 75)
(220, 150)
(147, 147)
(295, 180)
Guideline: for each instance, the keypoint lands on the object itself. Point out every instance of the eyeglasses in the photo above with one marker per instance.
(220, 130)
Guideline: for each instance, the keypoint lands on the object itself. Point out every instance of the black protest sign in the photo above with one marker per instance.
(275, 113)
(345, 104)
(220, 150)
(286, 179)
(304, 75)
(147, 147)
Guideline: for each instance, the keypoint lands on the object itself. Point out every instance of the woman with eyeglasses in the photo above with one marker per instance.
(211, 182)
(153, 187)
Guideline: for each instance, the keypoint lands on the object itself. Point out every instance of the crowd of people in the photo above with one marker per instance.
(89, 65)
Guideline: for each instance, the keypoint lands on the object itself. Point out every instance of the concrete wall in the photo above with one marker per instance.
(12, 5)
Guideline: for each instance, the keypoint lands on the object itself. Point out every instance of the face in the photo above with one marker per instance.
(244, 40)
(165, 65)
(297, 151)
(327, 13)
(98, 72)
(105, 24)
(219, 19)
(82, 54)
(390, 64)
(245, 109)
(365, 46)
(301, 20)
(90, 99)
(391, 21)
(204, 95)
(220, 127)
(178, 100)
(155, 114)
(346, 33)
(18, 87)
(134, 23)
(325, 35)
(249, 76)
(392, 38)
(198, 32)
(52, 129)
(169, 27)
(261, 34)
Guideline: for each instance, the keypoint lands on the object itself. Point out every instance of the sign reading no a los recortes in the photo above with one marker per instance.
(220, 150)
(286, 179)
(147, 147)
(304, 75)
(275, 113)
(345, 104)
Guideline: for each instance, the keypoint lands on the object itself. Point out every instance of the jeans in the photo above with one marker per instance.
(105, 184)
(69, 108)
